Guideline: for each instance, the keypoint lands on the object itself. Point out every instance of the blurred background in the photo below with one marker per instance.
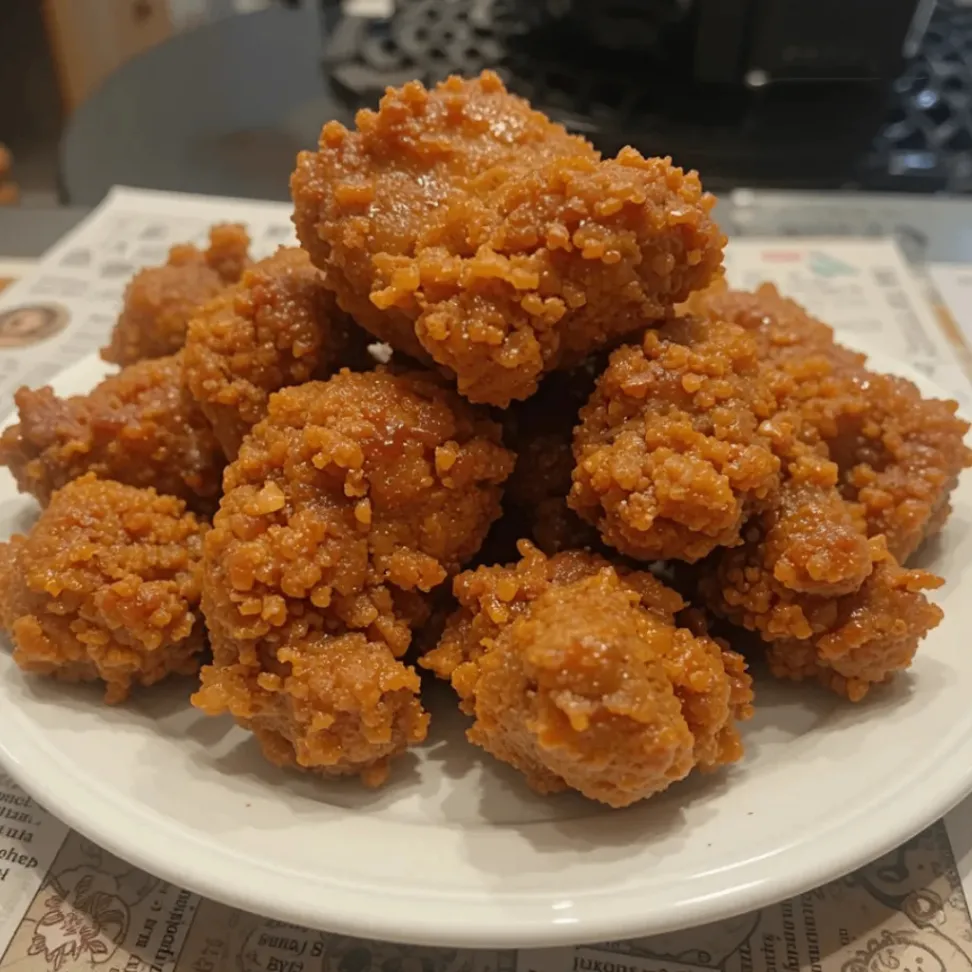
(216, 96)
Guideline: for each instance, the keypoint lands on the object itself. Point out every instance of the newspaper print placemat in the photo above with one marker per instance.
(11, 270)
(66, 307)
(953, 282)
(67, 905)
(864, 289)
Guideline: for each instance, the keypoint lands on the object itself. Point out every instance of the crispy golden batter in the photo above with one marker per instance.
(277, 327)
(899, 454)
(903, 461)
(540, 431)
(105, 587)
(784, 331)
(136, 427)
(353, 496)
(463, 227)
(812, 540)
(336, 703)
(160, 300)
(671, 458)
(577, 675)
(229, 251)
(828, 603)
(869, 636)
(849, 641)
(350, 485)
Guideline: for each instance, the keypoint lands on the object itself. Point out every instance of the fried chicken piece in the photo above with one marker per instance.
(848, 642)
(902, 461)
(335, 703)
(360, 482)
(136, 427)
(784, 331)
(464, 228)
(813, 376)
(229, 251)
(899, 454)
(540, 431)
(160, 300)
(106, 586)
(277, 327)
(671, 459)
(578, 675)
(814, 542)
(350, 499)
(875, 634)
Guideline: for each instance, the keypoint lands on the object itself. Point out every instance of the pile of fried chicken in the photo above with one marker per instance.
(494, 350)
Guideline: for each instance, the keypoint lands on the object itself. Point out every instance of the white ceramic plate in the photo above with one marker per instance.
(456, 850)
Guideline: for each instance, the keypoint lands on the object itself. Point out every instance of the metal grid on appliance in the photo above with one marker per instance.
(926, 142)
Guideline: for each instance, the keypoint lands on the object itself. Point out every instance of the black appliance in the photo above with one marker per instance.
(787, 93)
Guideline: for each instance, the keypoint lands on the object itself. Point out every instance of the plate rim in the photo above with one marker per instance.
(408, 917)
(349, 912)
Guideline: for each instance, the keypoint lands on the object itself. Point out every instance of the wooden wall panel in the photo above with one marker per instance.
(91, 38)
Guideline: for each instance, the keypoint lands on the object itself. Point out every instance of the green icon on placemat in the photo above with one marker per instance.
(824, 265)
